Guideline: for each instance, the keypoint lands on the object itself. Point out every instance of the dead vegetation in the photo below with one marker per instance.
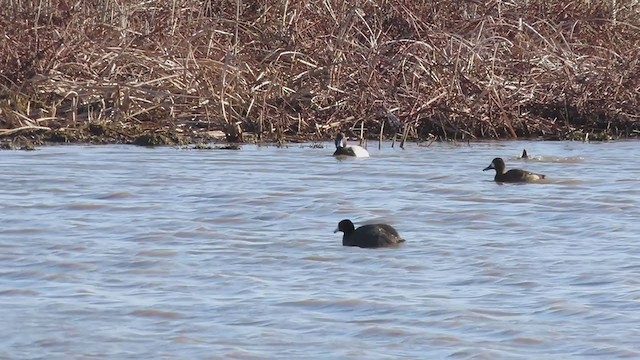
(184, 71)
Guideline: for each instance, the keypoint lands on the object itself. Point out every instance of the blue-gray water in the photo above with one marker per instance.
(125, 252)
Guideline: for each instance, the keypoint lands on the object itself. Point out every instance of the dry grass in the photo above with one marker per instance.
(287, 68)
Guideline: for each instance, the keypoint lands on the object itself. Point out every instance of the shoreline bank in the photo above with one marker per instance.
(30, 138)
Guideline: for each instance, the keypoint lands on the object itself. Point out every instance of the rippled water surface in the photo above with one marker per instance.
(132, 253)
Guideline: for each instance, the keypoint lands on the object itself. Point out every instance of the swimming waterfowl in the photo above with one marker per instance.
(352, 150)
(524, 154)
(368, 236)
(513, 175)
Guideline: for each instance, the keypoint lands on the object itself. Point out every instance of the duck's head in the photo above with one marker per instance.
(341, 140)
(497, 164)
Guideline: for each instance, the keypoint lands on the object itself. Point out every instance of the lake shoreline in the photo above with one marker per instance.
(29, 138)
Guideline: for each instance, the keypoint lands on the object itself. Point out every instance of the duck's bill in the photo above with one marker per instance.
(490, 167)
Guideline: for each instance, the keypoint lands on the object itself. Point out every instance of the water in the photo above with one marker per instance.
(129, 253)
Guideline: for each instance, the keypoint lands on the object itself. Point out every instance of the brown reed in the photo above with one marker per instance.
(291, 69)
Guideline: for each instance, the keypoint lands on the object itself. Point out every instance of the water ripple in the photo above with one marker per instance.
(126, 252)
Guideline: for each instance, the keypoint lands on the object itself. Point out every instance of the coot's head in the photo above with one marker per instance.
(346, 226)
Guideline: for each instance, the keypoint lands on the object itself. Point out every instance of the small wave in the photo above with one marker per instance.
(551, 159)
(157, 253)
(567, 182)
(157, 313)
(446, 340)
(527, 341)
(18, 292)
(116, 195)
(384, 331)
(182, 339)
(319, 258)
(25, 231)
(314, 303)
(85, 206)
(610, 352)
